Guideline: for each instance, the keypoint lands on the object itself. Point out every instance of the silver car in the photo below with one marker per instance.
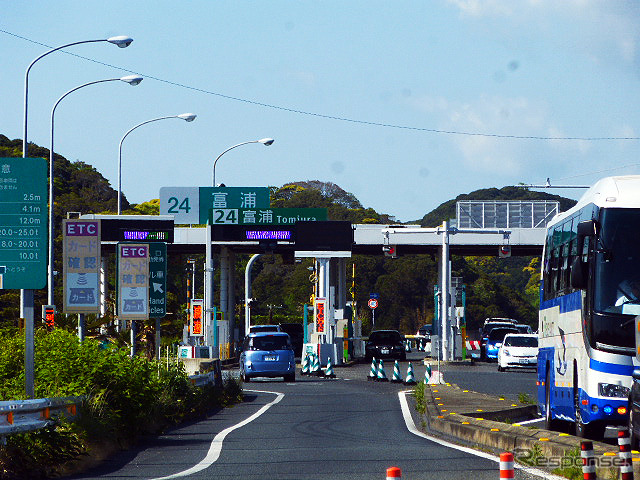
(267, 354)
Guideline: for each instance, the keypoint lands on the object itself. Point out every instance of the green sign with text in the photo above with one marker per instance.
(157, 279)
(23, 223)
(232, 198)
(265, 216)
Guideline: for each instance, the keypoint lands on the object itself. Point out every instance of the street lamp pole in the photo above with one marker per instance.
(224, 257)
(265, 141)
(26, 295)
(188, 117)
(132, 80)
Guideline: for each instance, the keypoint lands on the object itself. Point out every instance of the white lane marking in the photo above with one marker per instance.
(535, 420)
(216, 444)
(408, 420)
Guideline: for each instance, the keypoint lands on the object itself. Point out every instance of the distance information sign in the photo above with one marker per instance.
(23, 223)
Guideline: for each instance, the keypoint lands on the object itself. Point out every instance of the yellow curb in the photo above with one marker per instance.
(563, 435)
(467, 423)
(544, 439)
(479, 410)
(465, 391)
(480, 418)
(495, 430)
(610, 454)
(517, 425)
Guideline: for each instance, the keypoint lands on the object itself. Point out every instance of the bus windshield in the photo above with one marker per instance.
(617, 275)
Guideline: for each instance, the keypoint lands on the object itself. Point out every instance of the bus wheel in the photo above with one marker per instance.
(632, 435)
(549, 422)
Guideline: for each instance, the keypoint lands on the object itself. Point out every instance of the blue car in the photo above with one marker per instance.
(267, 354)
(494, 342)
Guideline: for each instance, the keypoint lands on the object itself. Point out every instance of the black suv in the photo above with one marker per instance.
(385, 343)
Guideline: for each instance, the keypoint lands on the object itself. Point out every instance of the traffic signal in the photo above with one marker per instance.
(48, 316)
(389, 251)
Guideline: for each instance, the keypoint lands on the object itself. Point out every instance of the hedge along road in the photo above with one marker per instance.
(312, 429)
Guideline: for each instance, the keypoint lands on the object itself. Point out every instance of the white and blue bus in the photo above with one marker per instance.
(590, 261)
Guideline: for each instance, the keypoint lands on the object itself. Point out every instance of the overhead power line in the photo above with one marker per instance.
(322, 115)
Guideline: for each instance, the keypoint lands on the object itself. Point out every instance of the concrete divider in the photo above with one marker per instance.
(479, 420)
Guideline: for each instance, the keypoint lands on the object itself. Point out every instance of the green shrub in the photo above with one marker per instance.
(123, 398)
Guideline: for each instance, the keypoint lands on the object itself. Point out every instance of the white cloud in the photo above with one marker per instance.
(605, 31)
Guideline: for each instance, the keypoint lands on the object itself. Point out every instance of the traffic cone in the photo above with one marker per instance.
(382, 377)
(626, 465)
(427, 374)
(316, 366)
(305, 365)
(328, 373)
(407, 346)
(373, 374)
(506, 466)
(394, 473)
(410, 380)
(396, 377)
(588, 460)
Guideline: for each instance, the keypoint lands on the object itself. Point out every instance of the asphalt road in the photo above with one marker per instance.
(347, 428)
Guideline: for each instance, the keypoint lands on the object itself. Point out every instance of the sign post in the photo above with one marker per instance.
(133, 281)
(373, 304)
(81, 257)
(157, 279)
(23, 223)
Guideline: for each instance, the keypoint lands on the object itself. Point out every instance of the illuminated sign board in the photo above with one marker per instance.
(268, 235)
(320, 305)
(145, 235)
(196, 320)
(136, 230)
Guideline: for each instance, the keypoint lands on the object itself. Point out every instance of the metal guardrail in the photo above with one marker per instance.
(18, 416)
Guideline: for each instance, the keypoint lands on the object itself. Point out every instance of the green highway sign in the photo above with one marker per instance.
(191, 205)
(23, 223)
(232, 198)
(265, 216)
(157, 279)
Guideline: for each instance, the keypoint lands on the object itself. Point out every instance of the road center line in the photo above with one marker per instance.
(216, 444)
(408, 420)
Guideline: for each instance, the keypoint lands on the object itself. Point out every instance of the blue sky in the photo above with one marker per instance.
(363, 94)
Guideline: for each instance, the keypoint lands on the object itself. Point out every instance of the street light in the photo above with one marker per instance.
(121, 41)
(132, 80)
(26, 295)
(188, 117)
(265, 141)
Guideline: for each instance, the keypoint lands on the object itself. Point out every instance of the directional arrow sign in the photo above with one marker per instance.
(157, 279)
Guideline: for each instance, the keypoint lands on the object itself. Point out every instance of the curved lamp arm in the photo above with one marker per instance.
(187, 117)
(131, 80)
(265, 141)
(120, 41)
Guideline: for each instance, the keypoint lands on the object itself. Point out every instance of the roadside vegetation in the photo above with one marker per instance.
(124, 398)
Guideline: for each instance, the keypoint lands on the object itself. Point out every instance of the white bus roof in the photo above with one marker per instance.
(609, 192)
